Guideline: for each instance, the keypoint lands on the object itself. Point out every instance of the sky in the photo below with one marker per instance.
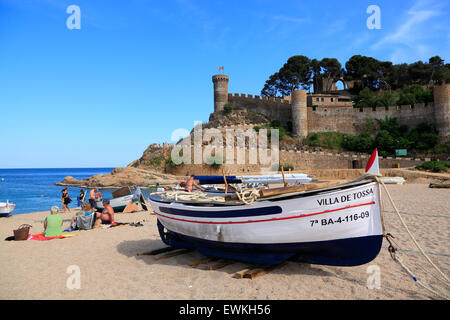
(136, 71)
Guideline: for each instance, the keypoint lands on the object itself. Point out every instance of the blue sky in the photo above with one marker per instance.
(137, 70)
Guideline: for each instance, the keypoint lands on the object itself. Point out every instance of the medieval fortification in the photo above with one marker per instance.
(333, 110)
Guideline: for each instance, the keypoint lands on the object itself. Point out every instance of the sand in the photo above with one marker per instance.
(110, 268)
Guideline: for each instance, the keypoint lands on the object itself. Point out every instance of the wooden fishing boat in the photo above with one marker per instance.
(264, 178)
(122, 197)
(6, 208)
(209, 182)
(338, 225)
(118, 203)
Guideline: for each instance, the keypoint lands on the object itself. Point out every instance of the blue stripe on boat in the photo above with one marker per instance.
(223, 213)
(341, 252)
(217, 179)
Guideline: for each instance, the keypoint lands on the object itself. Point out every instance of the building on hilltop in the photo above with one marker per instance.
(333, 110)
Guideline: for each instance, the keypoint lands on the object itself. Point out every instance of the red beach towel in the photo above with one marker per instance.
(41, 237)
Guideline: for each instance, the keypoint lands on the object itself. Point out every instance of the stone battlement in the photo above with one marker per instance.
(258, 98)
(331, 112)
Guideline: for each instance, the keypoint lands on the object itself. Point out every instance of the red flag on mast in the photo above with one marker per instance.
(372, 164)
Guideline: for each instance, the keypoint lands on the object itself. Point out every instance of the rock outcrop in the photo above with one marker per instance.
(120, 177)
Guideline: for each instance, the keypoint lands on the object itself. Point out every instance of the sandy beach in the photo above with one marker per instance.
(110, 268)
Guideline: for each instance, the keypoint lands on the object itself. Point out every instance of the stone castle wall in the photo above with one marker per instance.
(301, 160)
(337, 115)
(273, 108)
(352, 120)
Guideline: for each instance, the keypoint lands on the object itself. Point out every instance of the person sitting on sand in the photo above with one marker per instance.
(86, 211)
(107, 215)
(53, 223)
(190, 184)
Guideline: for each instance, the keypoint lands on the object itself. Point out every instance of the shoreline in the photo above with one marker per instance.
(111, 269)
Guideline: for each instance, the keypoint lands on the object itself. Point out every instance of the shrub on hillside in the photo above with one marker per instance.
(434, 166)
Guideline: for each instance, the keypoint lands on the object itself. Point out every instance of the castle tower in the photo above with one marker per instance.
(299, 113)
(220, 91)
(442, 109)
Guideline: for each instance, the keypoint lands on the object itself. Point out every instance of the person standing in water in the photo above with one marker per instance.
(80, 198)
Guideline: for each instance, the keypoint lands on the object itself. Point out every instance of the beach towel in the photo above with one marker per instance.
(86, 222)
(41, 237)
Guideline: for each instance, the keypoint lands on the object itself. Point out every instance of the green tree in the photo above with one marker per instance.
(360, 143)
(366, 70)
(295, 74)
(331, 70)
(386, 99)
(365, 99)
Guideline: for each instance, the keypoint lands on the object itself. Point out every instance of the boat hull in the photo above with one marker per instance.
(6, 209)
(341, 228)
(118, 204)
(341, 252)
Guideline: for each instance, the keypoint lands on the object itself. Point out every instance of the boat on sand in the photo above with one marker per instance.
(122, 197)
(338, 225)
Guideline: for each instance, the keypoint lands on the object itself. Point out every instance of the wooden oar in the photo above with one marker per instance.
(225, 181)
(284, 179)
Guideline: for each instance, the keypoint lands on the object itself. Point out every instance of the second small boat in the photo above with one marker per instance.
(6, 208)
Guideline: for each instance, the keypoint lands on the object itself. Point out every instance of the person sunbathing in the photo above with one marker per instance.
(53, 223)
(107, 215)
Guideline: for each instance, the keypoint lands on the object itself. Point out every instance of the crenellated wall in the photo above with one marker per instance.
(273, 108)
(338, 116)
(351, 120)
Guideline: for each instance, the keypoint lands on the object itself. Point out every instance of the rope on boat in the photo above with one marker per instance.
(184, 195)
(248, 196)
(392, 250)
(409, 232)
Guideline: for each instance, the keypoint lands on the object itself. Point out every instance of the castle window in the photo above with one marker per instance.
(317, 99)
(332, 99)
(321, 99)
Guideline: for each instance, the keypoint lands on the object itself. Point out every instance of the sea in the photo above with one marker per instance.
(33, 190)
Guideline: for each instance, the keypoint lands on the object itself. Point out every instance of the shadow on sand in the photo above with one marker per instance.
(131, 248)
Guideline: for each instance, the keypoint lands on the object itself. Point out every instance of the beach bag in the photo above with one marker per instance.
(22, 232)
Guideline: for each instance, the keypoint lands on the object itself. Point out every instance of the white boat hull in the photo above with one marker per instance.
(6, 208)
(340, 219)
(118, 203)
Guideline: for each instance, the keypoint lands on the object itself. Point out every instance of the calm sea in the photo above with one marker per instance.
(34, 190)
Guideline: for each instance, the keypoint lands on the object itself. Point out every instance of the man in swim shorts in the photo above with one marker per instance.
(107, 215)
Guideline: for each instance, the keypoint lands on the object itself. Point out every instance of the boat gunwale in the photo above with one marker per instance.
(286, 196)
